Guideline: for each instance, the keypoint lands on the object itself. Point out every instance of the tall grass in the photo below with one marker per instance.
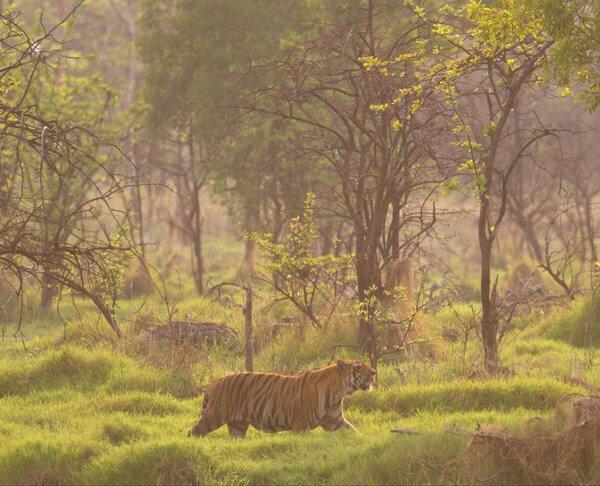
(580, 326)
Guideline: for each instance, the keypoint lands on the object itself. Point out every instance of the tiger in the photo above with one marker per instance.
(278, 403)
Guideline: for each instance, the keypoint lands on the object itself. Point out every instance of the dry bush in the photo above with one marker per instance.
(267, 333)
(136, 280)
(406, 328)
(542, 456)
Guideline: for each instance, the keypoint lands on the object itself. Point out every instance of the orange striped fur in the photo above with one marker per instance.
(276, 403)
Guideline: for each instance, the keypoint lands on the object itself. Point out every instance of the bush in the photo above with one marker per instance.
(313, 348)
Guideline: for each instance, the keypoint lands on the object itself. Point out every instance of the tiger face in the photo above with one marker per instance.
(359, 375)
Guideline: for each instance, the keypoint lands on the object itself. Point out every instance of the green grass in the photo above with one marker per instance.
(83, 370)
(97, 416)
(498, 395)
(579, 326)
(78, 407)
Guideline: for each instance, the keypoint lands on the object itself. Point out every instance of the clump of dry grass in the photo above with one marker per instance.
(543, 455)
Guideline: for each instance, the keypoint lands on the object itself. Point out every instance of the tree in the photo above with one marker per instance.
(356, 97)
(91, 83)
(295, 273)
(43, 160)
(495, 54)
(574, 27)
(195, 54)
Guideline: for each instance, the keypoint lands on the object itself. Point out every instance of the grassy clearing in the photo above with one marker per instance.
(89, 410)
(96, 416)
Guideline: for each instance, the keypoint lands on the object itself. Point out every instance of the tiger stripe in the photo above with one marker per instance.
(275, 403)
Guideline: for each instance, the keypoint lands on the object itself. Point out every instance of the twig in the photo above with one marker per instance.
(350, 346)
(441, 473)
(405, 431)
(491, 478)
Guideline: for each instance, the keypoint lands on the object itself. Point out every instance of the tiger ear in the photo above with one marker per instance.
(342, 365)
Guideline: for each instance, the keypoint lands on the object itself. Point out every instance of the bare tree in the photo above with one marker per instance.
(78, 245)
(185, 169)
(337, 89)
(553, 204)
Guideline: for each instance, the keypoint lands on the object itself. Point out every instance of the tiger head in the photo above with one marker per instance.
(358, 375)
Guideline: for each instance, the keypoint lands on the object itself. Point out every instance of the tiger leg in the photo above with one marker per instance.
(335, 420)
(206, 425)
(237, 429)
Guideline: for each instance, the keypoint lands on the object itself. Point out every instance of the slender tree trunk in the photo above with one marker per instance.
(198, 260)
(363, 282)
(533, 243)
(196, 217)
(138, 199)
(395, 230)
(49, 290)
(368, 280)
(589, 223)
(489, 319)
(48, 293)
(327, 238)
(248, 331)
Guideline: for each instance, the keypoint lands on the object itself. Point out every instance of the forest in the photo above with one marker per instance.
(192, 189)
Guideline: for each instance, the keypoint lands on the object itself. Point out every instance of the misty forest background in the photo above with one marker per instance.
(192, 188)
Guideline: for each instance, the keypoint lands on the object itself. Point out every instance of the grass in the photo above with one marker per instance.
(77, 407)
(579, 326)
(498, 395)
(97, 416)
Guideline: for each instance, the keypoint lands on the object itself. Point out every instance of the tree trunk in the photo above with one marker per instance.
(367, 275)
(138, 199)
(249, 331)
(589, 224)
(489, 318)
(326, 232)
(48, 293)
(197, 258)
(533, 243)
(395, 230)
